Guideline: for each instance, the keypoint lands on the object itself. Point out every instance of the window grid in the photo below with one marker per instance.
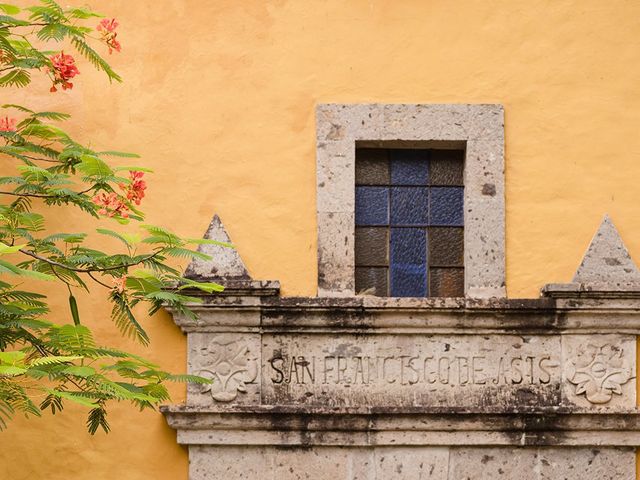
(405, 222)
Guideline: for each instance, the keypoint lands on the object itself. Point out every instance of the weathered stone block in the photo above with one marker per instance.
(229, 463)
(397, 463)
(403, 370)
(587, 463)
(541, 464)
(598, 370)
(493, 464)
(317, 463)
(336, 253)
(232, 361)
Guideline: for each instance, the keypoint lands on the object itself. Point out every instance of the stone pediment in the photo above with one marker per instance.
(607, 260)
(225, 262)
(606, 269)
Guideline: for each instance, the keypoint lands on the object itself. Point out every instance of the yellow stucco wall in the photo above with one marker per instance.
(219, 99)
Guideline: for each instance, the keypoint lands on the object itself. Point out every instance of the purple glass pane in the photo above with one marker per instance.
(447, 206)
(409, 205)
(408, 262)
(372, 205)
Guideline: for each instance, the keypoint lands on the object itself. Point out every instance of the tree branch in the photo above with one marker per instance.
(87, 270)
(40, 195)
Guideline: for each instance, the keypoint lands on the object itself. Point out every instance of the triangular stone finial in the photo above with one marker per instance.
(225, 264)
(607, 260)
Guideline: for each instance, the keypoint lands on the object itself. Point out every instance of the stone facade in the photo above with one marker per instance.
(374, 388)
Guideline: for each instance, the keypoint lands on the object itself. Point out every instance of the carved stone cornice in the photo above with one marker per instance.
(264, 425)
(585, 315)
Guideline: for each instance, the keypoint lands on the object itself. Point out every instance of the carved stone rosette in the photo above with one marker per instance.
(229, 362)
(599, 371)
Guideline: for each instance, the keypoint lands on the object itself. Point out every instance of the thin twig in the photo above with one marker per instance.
(98, 281)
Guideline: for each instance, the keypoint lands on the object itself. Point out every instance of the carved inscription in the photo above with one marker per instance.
(410, 370)
(407, 370)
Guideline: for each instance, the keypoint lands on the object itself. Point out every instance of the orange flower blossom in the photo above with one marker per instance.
(112, 205)
(109, 34)
(7, 124)
(119, 284)
(64, 68)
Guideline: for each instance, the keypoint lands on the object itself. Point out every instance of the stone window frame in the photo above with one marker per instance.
(479, 128)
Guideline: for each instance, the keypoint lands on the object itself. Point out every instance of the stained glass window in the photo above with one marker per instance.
(409, 222)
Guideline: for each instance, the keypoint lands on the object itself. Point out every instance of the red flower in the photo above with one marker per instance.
(112, 205)
(64, 68)
(109, 34)
(135, 189)
(7, 124)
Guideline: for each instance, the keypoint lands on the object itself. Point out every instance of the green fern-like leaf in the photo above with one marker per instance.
(15, 78)
(55, 360)
(9, 9)
(90, 54)
(126, 321)
(184, 378)
(97, 419)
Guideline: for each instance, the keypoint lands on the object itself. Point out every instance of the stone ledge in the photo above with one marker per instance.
(411, 315)
(619, 290)
(234, 287)
(297, 427)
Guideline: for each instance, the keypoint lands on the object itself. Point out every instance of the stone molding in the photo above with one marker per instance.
(494, 337)
(478, 128)
(297, 427)
(543, 316)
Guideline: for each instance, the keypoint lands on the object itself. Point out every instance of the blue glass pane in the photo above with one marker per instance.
(447, 206)
(408, 262)
(409, 206)
(372, 206)
(409, 167)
